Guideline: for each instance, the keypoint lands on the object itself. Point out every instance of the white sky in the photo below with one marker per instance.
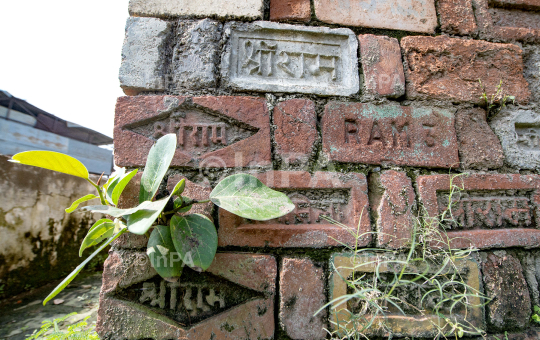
(63, 56)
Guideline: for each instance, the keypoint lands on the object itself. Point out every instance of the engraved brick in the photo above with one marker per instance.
(489, 211)
(382, 65)
(234, 295)
(143, 55)
(479, 148)
(449, 69)
(341, 197)
(394, 323)
(405, 15)
(510, 307)
(196, 54)
(508, 20)
(196, 191)
(519, 133)
(271, 57)
(296, 130)
(212, 132)
(290, 10)
(403, 135)
(457, 16)
(249, 9)
(301, 296)
(393, 200)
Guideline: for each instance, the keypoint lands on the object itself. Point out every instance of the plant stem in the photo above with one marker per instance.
(99, 190)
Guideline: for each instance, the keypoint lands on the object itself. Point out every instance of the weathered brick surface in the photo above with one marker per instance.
(301, 296)
(341, 197)
(479, 148)
(415, 15)
(196, 191)
(403, 135)
(196, 53)
(519, 133)
(382, 65)
(143, 55)
(251, 9)
(296, 130)
(229, 131)
(392, 198)
(273, 57)
(530, 334)
(456, 16)
(505, 284)
(235, 302)
(508, 20)
(491, 211)
(449, 69)
(290, 10)
(531, 58)
(394, 323)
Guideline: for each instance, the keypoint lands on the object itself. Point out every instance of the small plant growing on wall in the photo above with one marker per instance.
(175, 240)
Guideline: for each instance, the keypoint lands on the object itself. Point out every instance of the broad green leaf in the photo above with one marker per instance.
(77, 270)
(98, 222)
(117, 212)
(157, 163)
(178, 203)
(113, 176)
(163, 256)
(179, 187)
(195, 238)
(51, 160)
(140, 221)
(110, 189)
(246, 196)
(96, 235)
(122, 183)
(75, 204)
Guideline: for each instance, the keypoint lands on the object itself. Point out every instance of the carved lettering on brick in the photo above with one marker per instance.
(414, 296)
(487, 211)
(366, 133)
(509, 19)
(317, 199)
(277, 57)
(235, 293)
(210, 131)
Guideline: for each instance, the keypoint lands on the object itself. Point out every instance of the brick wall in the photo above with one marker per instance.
(362, 111)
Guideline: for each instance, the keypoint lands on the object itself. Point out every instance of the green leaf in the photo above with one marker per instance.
(140, 221)
(163, 256)
(77, 270)
(117, 212)
(110, 189)
(122, 183)
(194, 237)
(178, 203)
(75, 204)
(179, 187)
(51, 160)
(96, 235)
(157, 163)
(246, 196)
(98, 222)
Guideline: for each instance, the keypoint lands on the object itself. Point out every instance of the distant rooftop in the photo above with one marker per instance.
(12, 107)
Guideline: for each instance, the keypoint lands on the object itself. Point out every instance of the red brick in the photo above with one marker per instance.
(382, 65)
(301, 296)
(457, 16)
(196, 191)
(392, 198)
(508, 20)
(290, 10)
(516, 196)
(449, 69)
(296, 130)
(479, 148)
(510, 307)
(303, 227)
(141, 120)
(122, 314)
(403, 135)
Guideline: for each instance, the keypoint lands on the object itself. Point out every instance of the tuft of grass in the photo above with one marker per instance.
(380, 280)
(497, 101)
(59, 330)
